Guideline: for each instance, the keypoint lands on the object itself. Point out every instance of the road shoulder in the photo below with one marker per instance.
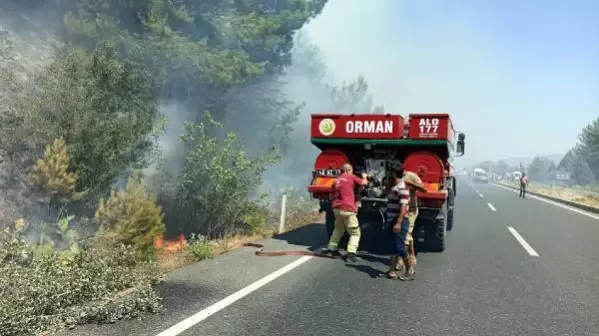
(587, 209)
(192, 288)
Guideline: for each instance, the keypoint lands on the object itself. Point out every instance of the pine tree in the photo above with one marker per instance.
(130, 217)
(51, 173)
(589, 146)
(576, 165)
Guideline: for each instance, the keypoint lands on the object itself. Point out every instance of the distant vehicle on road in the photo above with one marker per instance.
(480, 176)
(517, 175)
(462, 172)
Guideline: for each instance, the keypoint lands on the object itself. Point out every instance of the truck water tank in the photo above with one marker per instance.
(427, 165)
(330, 159)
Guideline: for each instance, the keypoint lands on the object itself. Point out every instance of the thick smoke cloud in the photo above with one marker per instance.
(501, 87)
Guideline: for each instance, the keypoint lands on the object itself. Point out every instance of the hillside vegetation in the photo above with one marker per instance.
(123, 121)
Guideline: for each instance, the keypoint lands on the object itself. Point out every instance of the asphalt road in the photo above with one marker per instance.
(512, 267)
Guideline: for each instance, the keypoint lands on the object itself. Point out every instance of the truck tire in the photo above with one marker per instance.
(419, 235)
(450, 219)
(374, 237)
(435, 233)
(450, 207)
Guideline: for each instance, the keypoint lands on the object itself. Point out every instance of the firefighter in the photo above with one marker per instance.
(523, 183)
(345, 211)
(413, 183)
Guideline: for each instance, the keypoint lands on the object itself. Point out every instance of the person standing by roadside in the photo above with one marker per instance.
(523, 184)
(414, 184)
(345, 211)
(398, 223)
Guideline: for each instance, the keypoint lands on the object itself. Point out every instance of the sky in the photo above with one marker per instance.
(519, 78)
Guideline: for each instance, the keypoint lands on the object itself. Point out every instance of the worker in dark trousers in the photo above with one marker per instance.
(327, 207)
(398, 221)
(523, 183)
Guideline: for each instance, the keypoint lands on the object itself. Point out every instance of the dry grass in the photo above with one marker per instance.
(171, 260)
(173, 255)
(299, 219)
(564, 193)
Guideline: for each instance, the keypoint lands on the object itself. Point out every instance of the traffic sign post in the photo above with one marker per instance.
(562, 176)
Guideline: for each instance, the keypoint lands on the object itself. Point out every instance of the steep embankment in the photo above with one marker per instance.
(27, 42)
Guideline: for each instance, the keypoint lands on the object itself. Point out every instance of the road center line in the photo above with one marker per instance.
(207, 312)
(491, 207)
(523, 242)
(582, 212)
(472, 186)
(481, 195)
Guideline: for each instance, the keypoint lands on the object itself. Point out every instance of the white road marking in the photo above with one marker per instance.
(567, 207)
(491, 207)
(474, 188)
(207, 312)
(523, 242)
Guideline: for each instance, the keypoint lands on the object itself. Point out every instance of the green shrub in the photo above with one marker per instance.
(102, 107)
(51, 291)
(200, 248)
(257, 217)
(52, 236)
(130, 217)
(217, 180)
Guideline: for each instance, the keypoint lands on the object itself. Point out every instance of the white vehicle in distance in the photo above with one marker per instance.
(480, 176)
(517, 175)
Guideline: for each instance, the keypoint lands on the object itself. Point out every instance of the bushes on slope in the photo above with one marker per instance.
(130, 217)
(214, 190)
(102, 107)
(52, 291)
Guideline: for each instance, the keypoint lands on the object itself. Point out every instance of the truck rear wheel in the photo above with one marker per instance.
(418, 236)
(434, 234)
(450, 218)
(450, 203)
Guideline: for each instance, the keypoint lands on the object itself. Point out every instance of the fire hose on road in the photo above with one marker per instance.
(262, 253)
